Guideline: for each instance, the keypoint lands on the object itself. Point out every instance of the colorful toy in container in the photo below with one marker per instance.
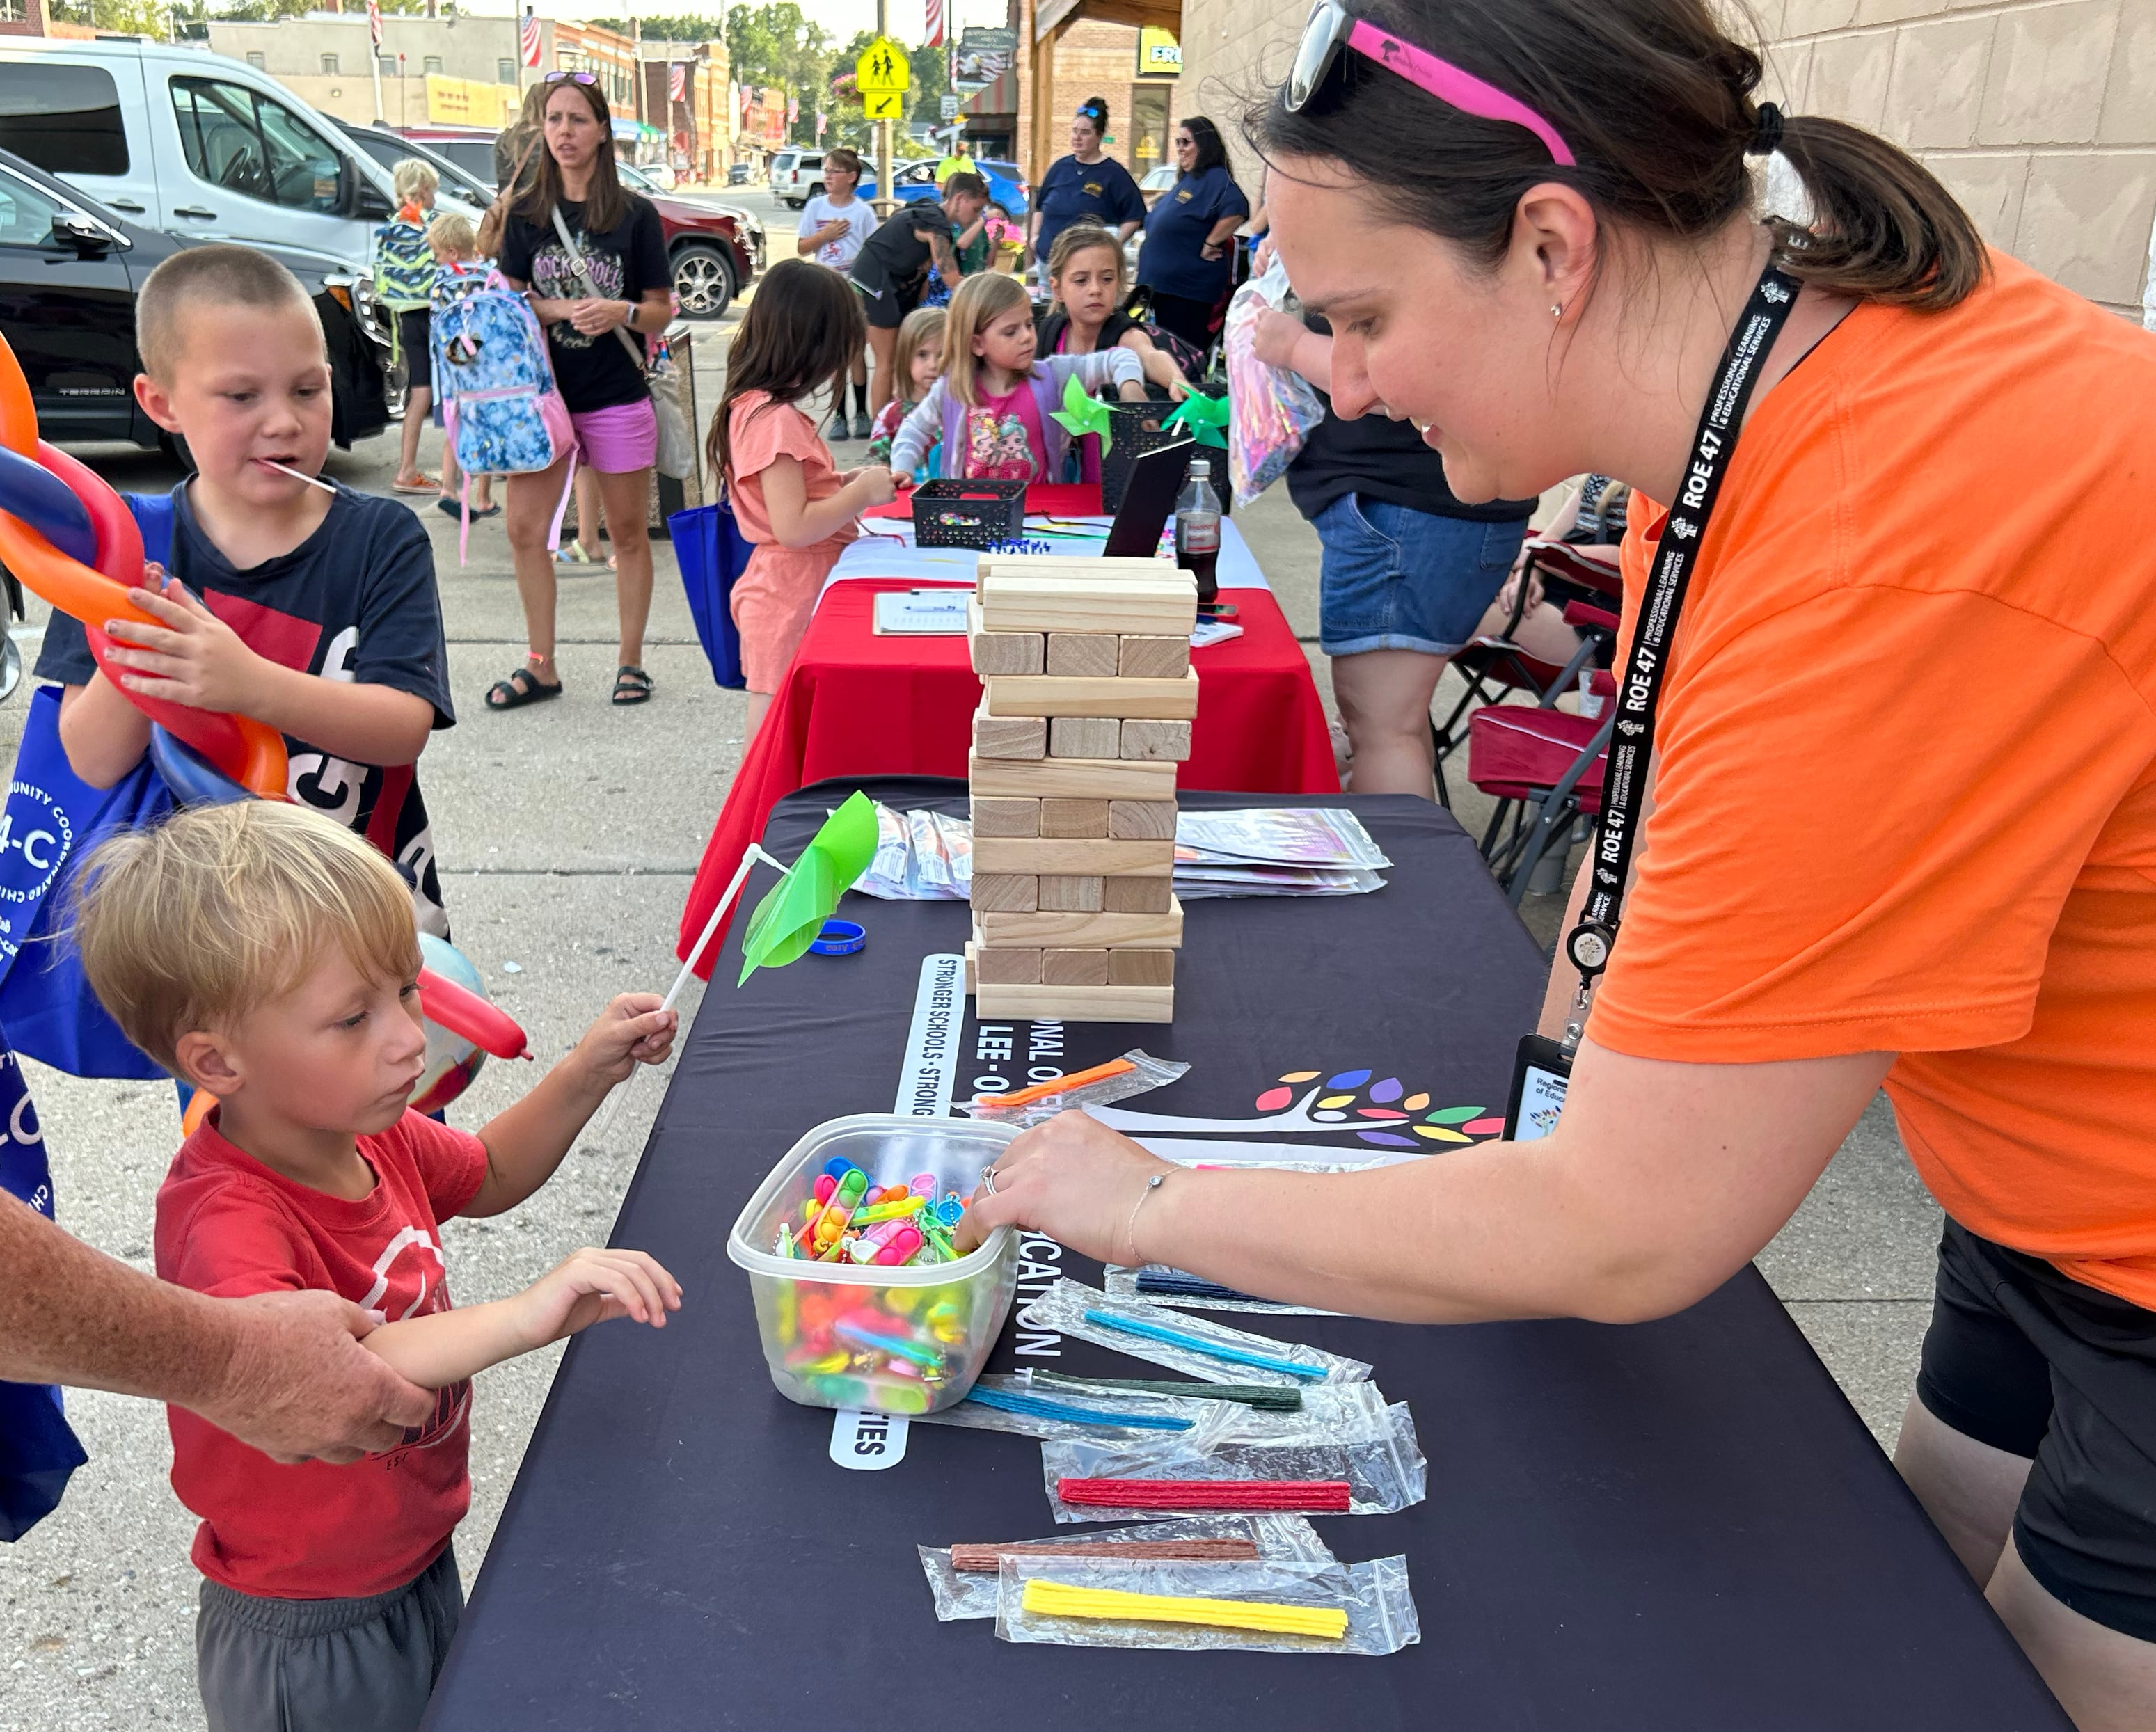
(859, 1299)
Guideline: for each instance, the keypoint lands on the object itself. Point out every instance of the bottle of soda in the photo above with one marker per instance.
(1197, 529)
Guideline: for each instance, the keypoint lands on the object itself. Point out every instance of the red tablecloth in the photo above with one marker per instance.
(854, 703)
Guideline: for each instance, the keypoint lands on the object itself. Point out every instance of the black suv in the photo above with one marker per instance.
(69, 270)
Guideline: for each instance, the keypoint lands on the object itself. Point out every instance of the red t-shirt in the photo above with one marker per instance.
(229, 1226)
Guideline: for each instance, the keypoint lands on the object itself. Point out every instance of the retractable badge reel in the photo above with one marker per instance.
(1542, 1068)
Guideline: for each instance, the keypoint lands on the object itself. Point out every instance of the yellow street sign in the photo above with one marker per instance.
(884, 105)
(882, 68)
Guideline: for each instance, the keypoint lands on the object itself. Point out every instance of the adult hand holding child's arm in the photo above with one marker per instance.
(525, 1143)
(589, 1286)
(194, 658)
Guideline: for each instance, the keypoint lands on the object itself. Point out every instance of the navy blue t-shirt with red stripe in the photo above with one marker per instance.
(356, 601)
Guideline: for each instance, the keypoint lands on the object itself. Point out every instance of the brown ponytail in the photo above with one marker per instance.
(1656, 100)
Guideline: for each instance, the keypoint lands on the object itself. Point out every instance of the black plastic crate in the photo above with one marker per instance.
(1134, 429)
(968, 514)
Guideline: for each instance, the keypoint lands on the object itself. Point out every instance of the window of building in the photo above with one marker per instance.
(12, 13)
(329, 65)
(388, 63)
(64, 119)
(504, 70)
(258, 59)
(433, 63)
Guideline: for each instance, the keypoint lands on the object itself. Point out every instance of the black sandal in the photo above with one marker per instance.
(521, 688)
(631, 685)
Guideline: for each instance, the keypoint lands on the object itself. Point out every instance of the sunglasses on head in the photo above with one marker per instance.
(571, 78)
(1332, 28)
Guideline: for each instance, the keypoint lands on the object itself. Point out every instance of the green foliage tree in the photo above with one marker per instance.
(120, 17)
(684, 27)
(776, 46)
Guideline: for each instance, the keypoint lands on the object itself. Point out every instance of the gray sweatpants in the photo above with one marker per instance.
(367, 1665)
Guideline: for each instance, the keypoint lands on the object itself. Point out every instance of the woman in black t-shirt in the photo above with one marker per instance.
(595, 318)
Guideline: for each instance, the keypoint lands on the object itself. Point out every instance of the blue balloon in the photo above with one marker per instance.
(193, 780)
(33, 493)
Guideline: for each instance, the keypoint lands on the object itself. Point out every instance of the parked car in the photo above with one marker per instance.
(470, 149)
(70, 271)
(1157, 181)
(716, 250)
(737, 175)
(389, 148)
(1007, 187)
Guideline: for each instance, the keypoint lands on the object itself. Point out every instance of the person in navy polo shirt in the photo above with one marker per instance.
(1189, 235)
(1085, 186)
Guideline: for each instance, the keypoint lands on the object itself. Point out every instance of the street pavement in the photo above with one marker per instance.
(566, 835)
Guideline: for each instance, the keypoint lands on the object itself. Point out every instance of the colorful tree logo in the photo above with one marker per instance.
(1310, 1103)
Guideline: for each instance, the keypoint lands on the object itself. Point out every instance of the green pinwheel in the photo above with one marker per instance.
(1082, 413)
(791, 915)
(1204, 418)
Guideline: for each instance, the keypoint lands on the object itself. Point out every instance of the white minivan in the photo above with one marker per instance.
(204, 147)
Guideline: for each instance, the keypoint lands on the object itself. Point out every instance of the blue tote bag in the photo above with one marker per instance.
(711, 552)
(38, 1450)
(52, 820)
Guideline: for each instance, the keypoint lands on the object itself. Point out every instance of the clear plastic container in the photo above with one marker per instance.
(892, 1340)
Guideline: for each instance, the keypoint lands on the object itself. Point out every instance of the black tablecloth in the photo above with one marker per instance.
(1680, 1525)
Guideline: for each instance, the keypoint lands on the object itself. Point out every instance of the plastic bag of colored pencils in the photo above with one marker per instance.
(1353, 1460)
(1136, 1073)
(1012, 1404)
(1196, 1346)
(1156, 1284)
(971, 1592)
(1288, 1608)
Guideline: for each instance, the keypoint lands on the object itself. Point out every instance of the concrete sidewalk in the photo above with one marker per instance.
(566, 835)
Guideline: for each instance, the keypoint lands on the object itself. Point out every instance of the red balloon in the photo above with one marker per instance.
(465, 1013)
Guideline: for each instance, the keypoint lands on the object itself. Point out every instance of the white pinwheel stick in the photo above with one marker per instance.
(689, 966)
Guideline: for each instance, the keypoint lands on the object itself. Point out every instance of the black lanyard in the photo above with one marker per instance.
(1654, 631)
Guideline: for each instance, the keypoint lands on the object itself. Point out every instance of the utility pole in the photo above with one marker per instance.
(883, 201)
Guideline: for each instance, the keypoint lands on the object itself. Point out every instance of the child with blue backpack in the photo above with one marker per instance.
(459, 271)
(995, 407)
(292, 600)
(403, 284)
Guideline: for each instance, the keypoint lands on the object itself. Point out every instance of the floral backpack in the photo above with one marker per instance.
(494, 381)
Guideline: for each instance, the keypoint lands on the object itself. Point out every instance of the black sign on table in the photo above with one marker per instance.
(1674, 1526)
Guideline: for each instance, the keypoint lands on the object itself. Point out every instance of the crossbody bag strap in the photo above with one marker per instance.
(583, 271)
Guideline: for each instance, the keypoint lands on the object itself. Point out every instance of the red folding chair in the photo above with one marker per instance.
(1545, 769)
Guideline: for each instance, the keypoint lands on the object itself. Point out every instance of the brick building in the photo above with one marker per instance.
(2040, 115)
(1124, 50)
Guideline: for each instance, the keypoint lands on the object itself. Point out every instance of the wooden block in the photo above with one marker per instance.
(1010, 736)
(1081, 655)
(1069, 817)
(1004, 893)
(1149, 658)
(1070, 892)
(995, 817)
(1137, 895)
(1072, 778)
(1055, 930)
(1072, 566)
(1138, 968)
(1082, 736)
(1086, 855)
(1007, 652)
(1130, 820)
(973, 980)
(1157, 741)
(1144, 607)
(1075, 1004)
(1019, 966)
(1081, 968)
(1110, 694)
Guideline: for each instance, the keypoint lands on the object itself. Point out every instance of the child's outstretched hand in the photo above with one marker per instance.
(593, 1286)
(876, 483)
(632, 1030)
(193, 657)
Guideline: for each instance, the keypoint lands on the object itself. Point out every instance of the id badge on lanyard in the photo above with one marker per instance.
(1541, 1070)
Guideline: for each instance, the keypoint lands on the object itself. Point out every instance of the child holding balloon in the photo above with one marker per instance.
(267, 955)
(284, 597)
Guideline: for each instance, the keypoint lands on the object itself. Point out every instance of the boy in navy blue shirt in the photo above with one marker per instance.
(314, 611)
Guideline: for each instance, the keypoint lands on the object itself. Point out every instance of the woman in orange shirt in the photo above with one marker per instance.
(1532, 229)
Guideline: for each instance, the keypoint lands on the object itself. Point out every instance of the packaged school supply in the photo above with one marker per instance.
(1272, 409)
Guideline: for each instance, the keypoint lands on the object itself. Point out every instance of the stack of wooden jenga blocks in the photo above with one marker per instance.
(1087, 700)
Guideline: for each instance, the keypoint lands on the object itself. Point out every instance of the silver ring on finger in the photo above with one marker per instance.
(987, 1182)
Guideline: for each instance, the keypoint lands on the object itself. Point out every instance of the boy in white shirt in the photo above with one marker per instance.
(834, 228)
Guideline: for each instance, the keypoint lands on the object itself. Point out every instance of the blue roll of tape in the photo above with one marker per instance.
(839, 938)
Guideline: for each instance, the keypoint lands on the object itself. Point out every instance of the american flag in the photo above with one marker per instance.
(374, 25)
(527, 38)
(934, 38)
(677, 83)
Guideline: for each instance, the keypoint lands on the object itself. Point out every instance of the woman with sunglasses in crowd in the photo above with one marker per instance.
(598, 290)
(1531, 225)
(1190, 250)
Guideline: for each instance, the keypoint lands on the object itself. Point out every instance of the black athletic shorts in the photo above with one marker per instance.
(886, 303)
(2021, 1357)
(415, 342)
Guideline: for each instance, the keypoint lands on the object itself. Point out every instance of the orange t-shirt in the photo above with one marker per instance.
(1907, 793)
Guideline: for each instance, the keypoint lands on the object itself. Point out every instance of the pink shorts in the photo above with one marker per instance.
(617, 441)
